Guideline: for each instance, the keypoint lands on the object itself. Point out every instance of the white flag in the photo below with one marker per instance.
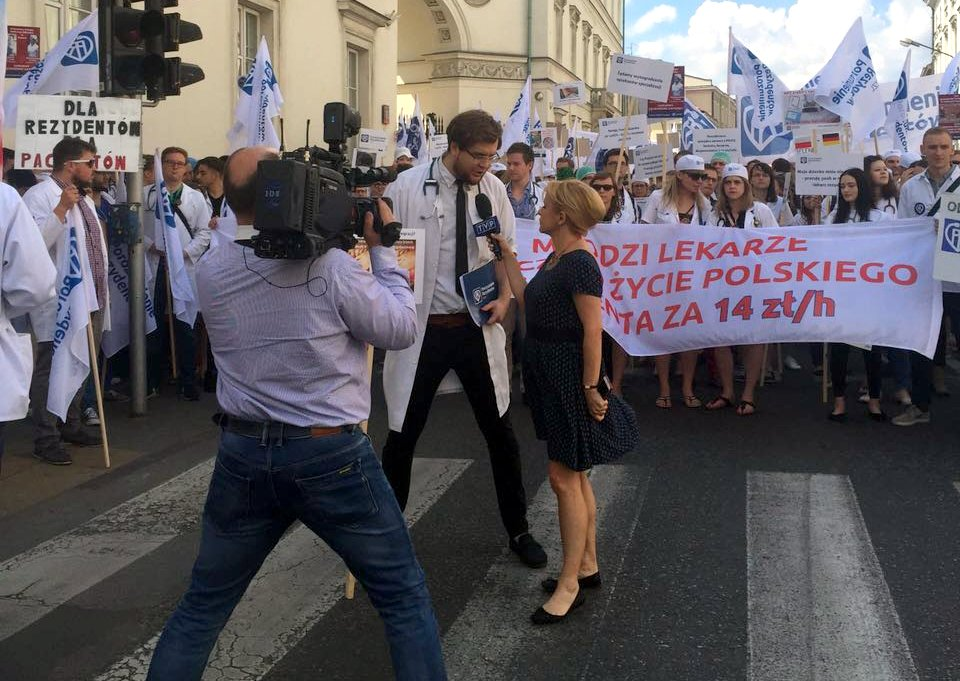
(72, 64)
(70, 365)
(848, 84)
(693, 119)
(260, 101)
(950, 84)
(517, 128)
(899, 112)
(181, 288)
(761, 109)
(417, 137)
(118, 336)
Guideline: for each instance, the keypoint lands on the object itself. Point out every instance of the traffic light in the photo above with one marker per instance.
(133, 50)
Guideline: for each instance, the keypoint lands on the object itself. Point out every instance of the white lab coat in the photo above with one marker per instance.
(27, 281)
(757, 215)
(421, 210)
(195, 208)
(40, 200)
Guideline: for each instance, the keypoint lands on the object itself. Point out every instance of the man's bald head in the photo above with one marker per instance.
(240, 178)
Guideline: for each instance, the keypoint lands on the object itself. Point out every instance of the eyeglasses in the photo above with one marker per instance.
(175, 164)
(84, 161)
(488, 158)
(603, 187)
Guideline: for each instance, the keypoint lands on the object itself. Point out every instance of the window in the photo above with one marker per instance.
(59, 16)
(353, 77)
(248, 39)
(357, 80)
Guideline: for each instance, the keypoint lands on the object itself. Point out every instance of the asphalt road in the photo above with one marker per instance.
(773, 547)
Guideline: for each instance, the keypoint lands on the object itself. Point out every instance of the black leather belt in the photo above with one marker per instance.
(275, 430)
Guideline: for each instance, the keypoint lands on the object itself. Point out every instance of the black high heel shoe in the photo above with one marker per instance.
(589, 582)
(541, 616)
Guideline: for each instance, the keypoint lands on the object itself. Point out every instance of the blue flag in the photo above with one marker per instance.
(693, 119)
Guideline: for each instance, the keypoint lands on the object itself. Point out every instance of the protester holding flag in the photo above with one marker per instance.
(59, 204)
(854, 205)
(259, 103)
(763, 182)
(27, 280)
(883, 189)
(679, 202)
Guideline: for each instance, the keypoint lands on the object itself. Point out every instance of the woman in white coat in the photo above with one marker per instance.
(27, 280)
(736, 208)
(680, 202)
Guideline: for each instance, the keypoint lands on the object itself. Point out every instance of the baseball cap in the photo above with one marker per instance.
(893, 153)
(736, 170)
(723, 156)
(689, 162)
(401, 152)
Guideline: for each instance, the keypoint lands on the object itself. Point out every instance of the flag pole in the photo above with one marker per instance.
(351, 585)
(170, 322)
(623, 146)
(95, 375)
(663, 144)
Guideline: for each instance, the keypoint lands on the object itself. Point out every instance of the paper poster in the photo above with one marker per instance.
(648, 161)
(946, 264)
(569, 93)
(372, 140)
(802, 109)
(611, 132)
(950, 114)
(23, 49)
(673, 107)
(706, 143)
(819, 174)
(638, 77)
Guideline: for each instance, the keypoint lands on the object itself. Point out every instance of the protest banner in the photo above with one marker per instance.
(611, 132)
(946, 266)
(923, 111)
(23, 49)
(950, 114)
(644, 78)
(113, 125)
(371, 139)
(706, 143)
(569, 93)
(673, 107)
(819, 173)
(648, 161)
(669, 288)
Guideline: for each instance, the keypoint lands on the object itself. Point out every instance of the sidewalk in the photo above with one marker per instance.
(170, 425)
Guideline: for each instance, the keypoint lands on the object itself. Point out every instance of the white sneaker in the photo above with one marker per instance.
(90, 417)
(791, 363)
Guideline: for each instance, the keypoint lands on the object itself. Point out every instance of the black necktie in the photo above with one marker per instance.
(461, 258)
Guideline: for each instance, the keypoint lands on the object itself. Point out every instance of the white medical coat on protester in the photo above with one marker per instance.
(40, 200)
(757, 215)
(27, 281)
(195, 208)
(417, 209)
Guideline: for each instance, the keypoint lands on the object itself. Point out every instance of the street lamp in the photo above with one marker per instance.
(907, 42)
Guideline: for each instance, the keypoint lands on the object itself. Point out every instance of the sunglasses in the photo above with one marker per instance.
(697, 177)
(603, 187)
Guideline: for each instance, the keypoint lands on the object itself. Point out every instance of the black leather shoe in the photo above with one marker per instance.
(589, 582)
(837, 418)
(541, 616)
(190, 394)
(529, 551)
(56, 456)
(880, 416)
(81, 437)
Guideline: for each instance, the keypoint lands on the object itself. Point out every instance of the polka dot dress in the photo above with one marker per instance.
(553, 368)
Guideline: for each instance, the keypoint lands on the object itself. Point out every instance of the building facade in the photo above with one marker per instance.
(945, 40)
(322, 51)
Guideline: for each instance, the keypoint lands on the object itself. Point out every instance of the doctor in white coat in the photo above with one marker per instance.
(192, 215)
(439, 198)
(55, 204)
(27, 280)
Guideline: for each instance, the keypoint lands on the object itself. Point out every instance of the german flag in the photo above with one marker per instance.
(831, 139)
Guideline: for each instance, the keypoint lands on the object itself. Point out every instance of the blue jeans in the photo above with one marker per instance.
(335, 486)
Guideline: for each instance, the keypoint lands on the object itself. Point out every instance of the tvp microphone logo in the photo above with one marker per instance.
(82, 51)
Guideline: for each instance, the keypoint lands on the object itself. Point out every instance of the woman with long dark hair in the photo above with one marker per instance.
(763, 182)
(604, 184)
(855, 205)
(883, 189)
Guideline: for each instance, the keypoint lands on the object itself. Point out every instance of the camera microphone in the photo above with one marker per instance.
(489, 223)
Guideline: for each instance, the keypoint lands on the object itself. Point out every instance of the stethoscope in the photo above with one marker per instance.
(432, 182)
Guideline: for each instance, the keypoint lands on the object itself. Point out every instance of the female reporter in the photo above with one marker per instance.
(565, 383)
(680, 202)
(855, 204)
(737, 208)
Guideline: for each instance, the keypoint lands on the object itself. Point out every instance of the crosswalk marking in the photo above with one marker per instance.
(299, 582)
(41, 579)
(818, 606)
(483, 641)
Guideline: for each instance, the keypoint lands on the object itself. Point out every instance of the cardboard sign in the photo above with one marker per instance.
(574, 92)
(673, 107)
(23, 49)
(946, 264)
(644, 78)
(113, 125)
(706, 143)
(611, 132)
(950, 114)
(819, 174)
(648, 161)
(372, 140)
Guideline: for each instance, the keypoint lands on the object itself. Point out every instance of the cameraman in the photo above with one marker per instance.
(290, 337)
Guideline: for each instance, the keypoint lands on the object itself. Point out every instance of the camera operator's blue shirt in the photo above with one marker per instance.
(290, 336)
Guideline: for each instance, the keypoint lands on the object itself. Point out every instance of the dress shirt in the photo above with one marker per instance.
(446, 300)
(289, 336)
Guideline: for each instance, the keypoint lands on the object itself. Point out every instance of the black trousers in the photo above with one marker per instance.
(839, 354)
(463, 350)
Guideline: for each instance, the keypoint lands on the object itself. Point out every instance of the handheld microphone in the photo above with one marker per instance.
(489, 224)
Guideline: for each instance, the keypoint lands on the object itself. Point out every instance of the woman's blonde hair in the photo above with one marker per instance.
(579, 202)
(670, 196)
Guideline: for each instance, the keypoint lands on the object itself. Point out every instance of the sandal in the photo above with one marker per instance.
(664, 402)
(692, 401)
(719, 402)
(744, 405)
